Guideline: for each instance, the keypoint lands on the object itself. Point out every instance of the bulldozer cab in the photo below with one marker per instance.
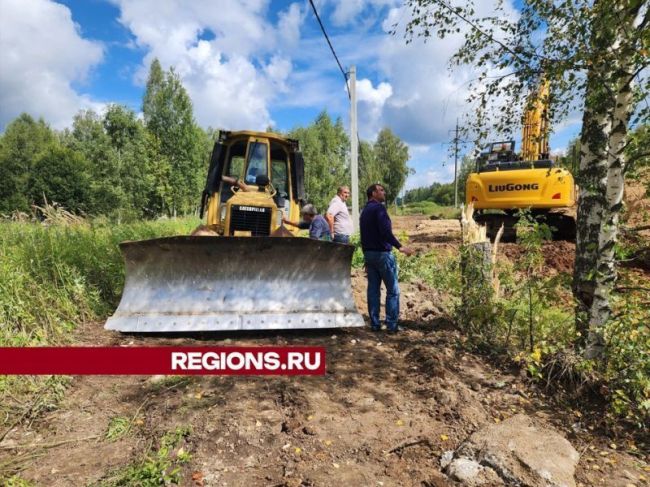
(271, 170)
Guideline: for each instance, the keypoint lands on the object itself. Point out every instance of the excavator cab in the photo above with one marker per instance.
(501, 152)
(250, 272)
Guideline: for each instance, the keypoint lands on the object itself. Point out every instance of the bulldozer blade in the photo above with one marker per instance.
(181, 284)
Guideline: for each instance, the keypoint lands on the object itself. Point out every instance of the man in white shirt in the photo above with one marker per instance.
(338, 216)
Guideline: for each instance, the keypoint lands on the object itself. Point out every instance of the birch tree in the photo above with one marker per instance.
(168, 115)
(594, 53)
(391, 155)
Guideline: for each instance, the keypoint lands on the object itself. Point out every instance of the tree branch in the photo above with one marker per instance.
(629, 288)
(637, 229)
(491, 38)
(636, 157)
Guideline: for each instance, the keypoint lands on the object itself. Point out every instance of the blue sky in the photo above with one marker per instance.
(245, 63)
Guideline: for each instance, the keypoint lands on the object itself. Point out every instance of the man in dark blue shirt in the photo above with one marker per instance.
(377, 241)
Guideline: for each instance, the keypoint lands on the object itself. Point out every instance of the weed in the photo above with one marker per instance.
(24, 398)
(437, 269)
(16, 481)
(171, 382)
(162, 467)
(57, 276)
(118, 427)
(627, 368)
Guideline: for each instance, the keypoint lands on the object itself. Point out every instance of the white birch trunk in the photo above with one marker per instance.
(605, 276)
(592, 182)
(608, 107)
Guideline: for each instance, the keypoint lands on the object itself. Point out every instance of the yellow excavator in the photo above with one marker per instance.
(243, 270)
(505, 182)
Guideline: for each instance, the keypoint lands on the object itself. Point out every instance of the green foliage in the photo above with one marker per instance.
(591, 54)
(60, 175)
(428, 208)
(438, 193)
(23, 142)
(637, 152)
(118, 166)
(118, 427)
(162, 467)
(324, 145)
(638, 159)
(437, 269)
(113, 165)
(532, 316)
(533, 324)
(55, 277)
(391, 154)
(627, 368)
(168, 115)
(121, 154)
(370, 170)
(16, 481)
(595, 50)
(476, 311)
(571, 160)
(467, 166)
(357, 257)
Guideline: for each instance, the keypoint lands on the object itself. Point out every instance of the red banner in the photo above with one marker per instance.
(162, 360)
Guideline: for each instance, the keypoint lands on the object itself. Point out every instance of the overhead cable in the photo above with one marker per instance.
(322, 28)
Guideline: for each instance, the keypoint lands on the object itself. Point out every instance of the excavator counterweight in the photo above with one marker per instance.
(505, 182)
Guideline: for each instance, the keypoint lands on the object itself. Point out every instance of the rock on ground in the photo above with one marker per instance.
(520, 451)
(471, 473)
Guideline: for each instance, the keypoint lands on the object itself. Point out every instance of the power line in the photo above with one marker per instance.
(455, 142)
(322, 28)
(347, 87)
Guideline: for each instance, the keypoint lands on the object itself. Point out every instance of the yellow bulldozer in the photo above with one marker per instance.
(505, 182)
(249, 272)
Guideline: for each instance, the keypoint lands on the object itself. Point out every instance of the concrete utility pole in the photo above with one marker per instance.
(456, 166)
(354, 163)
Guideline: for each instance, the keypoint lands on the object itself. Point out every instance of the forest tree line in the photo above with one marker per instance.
(125, 167)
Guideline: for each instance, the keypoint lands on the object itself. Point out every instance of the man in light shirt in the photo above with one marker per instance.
(338, 216)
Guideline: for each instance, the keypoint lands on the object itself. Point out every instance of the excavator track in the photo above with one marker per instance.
(563, 227)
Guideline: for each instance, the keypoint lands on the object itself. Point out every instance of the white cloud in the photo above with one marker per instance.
(289, 24)
(346, 11)
(370, 106)
(231, 76)
(41, 54)
(426, 97)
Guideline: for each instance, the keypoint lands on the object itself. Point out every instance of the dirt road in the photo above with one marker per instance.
(384, 413)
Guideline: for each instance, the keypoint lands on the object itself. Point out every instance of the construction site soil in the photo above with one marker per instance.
(387, 409)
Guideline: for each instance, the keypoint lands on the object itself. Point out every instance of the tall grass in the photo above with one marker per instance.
(53, 277)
